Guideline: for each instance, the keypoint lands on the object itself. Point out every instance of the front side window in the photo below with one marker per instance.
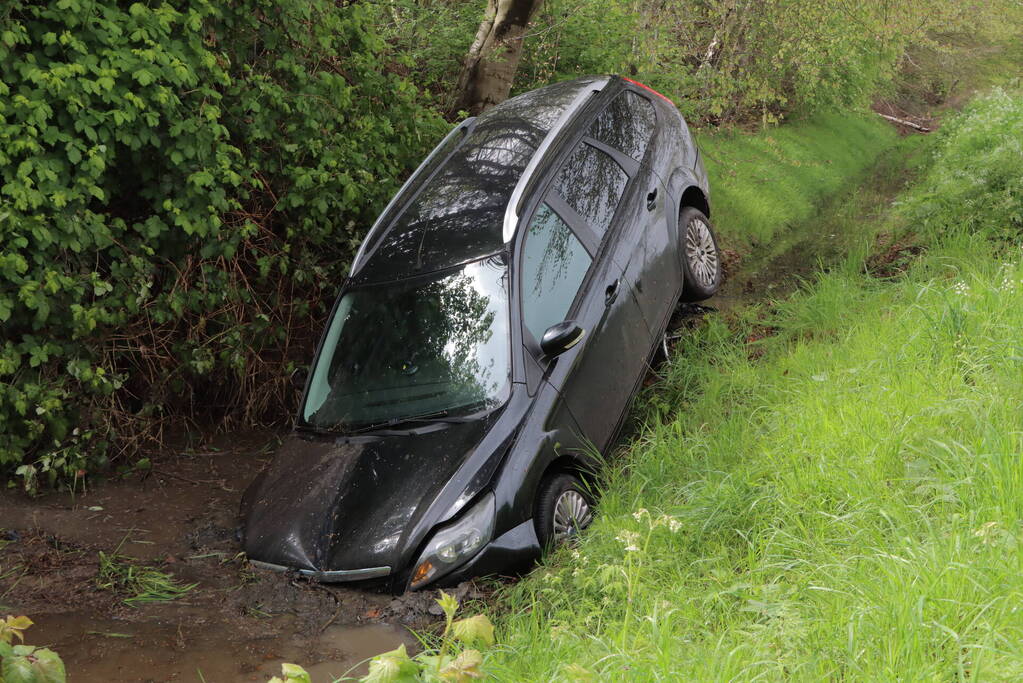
(592, 183)
(554, 263)
(414, 347)
(627, 124)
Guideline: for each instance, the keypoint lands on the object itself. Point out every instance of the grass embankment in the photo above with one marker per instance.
(762, 184)
(842, 499)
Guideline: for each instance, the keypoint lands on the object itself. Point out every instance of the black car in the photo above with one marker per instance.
(498, 319)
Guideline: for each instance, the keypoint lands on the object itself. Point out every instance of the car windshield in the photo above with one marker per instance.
(428, 346)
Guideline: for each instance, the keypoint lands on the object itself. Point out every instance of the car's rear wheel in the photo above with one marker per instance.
(563, 509)
(701, 261)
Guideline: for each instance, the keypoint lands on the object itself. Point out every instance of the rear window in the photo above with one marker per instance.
(627, 124)
(592, 183)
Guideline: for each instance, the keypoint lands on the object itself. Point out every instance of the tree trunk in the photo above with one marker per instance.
(493, 59)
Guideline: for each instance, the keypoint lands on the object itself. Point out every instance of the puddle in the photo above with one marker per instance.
(96, 649)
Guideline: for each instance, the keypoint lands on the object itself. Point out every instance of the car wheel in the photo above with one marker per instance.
(701, 261)
(563, 509)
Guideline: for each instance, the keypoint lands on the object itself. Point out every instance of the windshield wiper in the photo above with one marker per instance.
(426, 418)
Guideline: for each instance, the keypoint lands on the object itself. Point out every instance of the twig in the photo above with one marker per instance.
(904, 122)
(198, 482)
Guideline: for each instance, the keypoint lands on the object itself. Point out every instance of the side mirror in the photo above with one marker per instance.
(299, 376)
(560, 338)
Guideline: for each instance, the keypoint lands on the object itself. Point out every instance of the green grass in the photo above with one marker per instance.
(141, 584)
(842, 500)
(764, 182)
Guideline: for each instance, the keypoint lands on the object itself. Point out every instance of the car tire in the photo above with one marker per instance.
(563, 508)
(701, 260)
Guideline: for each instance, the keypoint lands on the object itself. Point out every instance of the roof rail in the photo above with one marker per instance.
(511, 212)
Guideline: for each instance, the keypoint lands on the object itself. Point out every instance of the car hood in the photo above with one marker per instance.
(335, 504)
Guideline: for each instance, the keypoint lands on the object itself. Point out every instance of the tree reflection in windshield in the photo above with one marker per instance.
(414, 347)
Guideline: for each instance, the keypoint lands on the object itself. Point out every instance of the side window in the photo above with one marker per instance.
(592, 183)
(553, 265)
(627, 124)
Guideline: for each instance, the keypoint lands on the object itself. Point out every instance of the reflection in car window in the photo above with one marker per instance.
(627, 124)
(414, 347)
(592, 183)
(553, 265)
(438, 157)
(459, 214)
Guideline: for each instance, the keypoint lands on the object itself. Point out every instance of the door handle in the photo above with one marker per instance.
(611, 293)
(651, 200)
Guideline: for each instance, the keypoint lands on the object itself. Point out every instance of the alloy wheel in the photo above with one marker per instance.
(571, 514)
(701, 253)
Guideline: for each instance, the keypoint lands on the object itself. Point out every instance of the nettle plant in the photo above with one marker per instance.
(182, 186)
(453, 659)
(25, 663)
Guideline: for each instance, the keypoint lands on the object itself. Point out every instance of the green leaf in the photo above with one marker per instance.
(474, 630)
(293, 672)
(448, 604)
(465, 667)
(33, 665)
(14, 627)
(392, 667)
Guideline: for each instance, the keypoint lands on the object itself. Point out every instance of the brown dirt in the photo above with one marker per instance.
(890, 257)
(236, 624)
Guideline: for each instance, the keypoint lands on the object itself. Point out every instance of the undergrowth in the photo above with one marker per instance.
(842, 499)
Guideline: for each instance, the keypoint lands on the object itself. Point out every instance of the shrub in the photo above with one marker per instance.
(182, 187)
(975, 186)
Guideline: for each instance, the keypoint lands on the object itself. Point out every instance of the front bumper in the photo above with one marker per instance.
(512, 552)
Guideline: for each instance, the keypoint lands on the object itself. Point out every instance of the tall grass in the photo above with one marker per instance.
(844, 503)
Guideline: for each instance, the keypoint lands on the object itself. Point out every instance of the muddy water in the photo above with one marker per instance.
(236, 624)
(100, 649)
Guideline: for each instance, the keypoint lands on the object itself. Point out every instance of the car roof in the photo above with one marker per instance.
(459, 214)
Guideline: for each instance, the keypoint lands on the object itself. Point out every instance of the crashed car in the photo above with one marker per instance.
(497, 321)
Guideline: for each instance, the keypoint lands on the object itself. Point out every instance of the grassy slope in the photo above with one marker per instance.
(766, 182)
(847, 504)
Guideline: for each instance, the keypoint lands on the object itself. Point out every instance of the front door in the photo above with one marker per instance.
(572, 267)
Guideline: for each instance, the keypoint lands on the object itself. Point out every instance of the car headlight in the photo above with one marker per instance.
(455, 544)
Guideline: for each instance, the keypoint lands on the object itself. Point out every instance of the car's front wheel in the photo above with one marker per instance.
(563, 509)
(701, 261)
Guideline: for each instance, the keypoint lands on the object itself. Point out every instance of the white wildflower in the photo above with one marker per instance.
(629, 539)
(1008, 284)
(638, 514)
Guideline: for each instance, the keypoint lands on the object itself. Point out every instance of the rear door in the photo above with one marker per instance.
(626, 130)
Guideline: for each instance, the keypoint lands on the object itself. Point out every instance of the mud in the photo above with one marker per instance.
(236, 624)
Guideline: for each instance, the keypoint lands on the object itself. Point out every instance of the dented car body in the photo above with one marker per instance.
(497, 321)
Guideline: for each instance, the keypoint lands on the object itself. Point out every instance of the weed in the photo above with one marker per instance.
(140, 583)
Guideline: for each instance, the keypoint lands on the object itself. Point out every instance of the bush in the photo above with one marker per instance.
(182, 188)
(975, 186)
